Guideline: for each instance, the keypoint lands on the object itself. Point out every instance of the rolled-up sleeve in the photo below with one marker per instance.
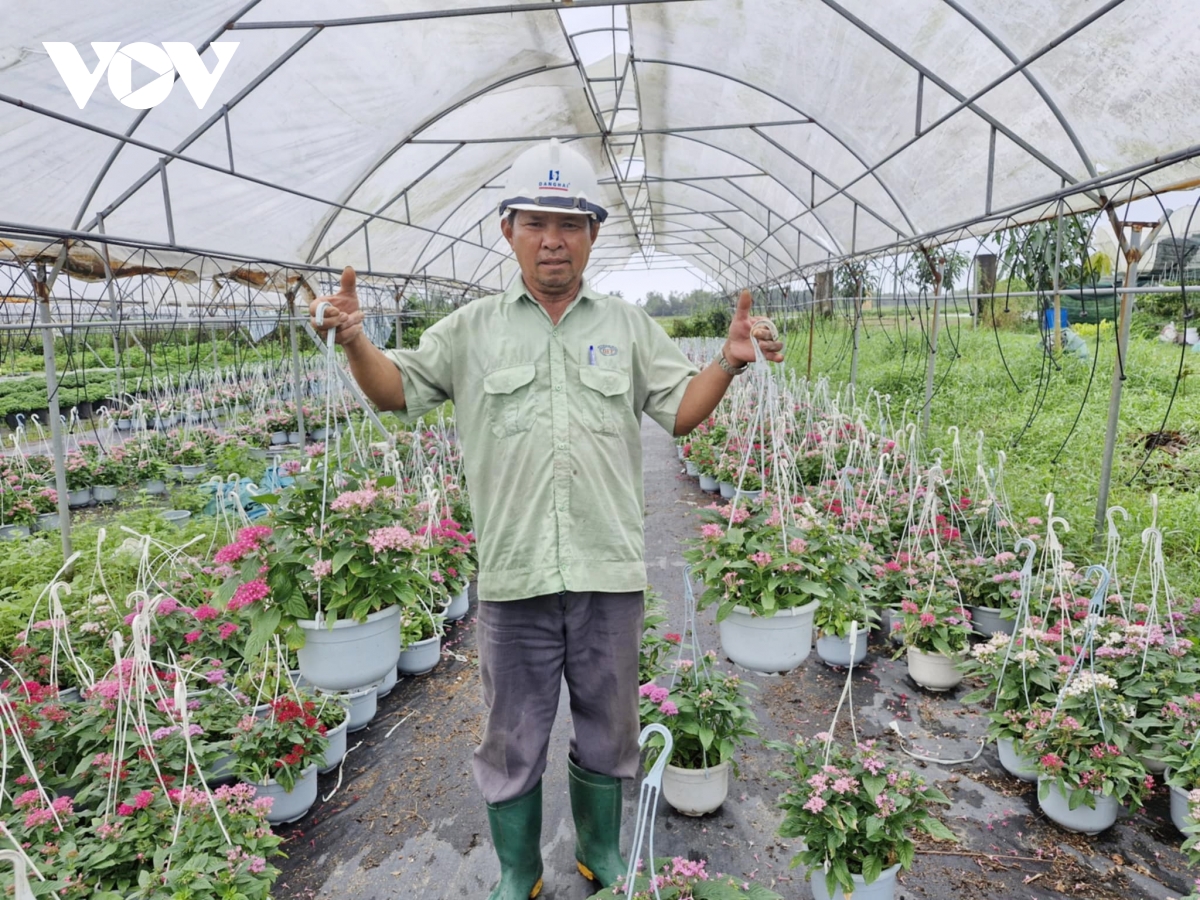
(428, 372)
(668, 373)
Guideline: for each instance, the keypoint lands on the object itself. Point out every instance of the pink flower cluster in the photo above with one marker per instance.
(248, 541)
(322, 568)
(352, 500)
(141, 801)
(393, 537)
(247, 594)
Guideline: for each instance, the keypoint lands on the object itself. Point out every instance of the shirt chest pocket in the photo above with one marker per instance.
(511, 399)
(605, 397)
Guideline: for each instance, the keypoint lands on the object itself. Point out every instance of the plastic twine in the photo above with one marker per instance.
(647, 808)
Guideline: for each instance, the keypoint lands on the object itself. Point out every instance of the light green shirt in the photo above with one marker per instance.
(549, 420)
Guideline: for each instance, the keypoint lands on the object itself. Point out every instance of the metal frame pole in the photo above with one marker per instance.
(399, 321)
(56, 435)
(854, 349)
(1120, 372)
(933, 342)
(297, 381)
(1058, 281)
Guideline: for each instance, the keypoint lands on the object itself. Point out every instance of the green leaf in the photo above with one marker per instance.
(872, 867)
(874, 784)
(341, 558)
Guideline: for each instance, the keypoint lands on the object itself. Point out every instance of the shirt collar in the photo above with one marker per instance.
(516, 290)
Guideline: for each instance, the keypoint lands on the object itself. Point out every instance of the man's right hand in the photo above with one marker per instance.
(345, 315)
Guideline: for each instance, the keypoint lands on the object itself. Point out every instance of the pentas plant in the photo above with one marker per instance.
(856, 811)
(1083, 747)
(685, 879)
(707, 712)
(750, 564)
(1181, 743)
(1017, 675)
(992, 582)
(280, 746)
(936, 624)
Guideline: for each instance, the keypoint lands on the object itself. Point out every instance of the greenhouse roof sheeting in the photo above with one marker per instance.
(749, 137)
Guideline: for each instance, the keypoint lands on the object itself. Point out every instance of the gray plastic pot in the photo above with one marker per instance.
(337, 747)
(176, 516)
(459, 606)
(835, 650)
(987, 621)
(290, 806)
(81, 497)
(768, 644)
(421, 657)
(48, 522)
(362, 705)
(154, 486)
(12, 532)
(882, 888)
(1083, 819)
(104, 493)
(347, 654)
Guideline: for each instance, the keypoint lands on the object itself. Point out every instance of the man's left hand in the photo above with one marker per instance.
(738, 346)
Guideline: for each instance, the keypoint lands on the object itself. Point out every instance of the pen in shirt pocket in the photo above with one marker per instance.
(591, 355)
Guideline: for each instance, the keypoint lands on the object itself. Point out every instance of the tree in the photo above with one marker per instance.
(1030, 254)
(922, 267)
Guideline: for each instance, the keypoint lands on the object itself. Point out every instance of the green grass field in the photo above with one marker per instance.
(1034, 421)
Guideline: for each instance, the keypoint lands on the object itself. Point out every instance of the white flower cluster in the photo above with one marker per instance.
(1085, 681)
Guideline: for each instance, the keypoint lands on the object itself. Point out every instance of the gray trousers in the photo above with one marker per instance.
(525, 649)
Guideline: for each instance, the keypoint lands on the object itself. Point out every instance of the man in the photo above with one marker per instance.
(549, 381)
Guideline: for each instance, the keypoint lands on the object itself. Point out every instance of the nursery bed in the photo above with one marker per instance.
(408, 821)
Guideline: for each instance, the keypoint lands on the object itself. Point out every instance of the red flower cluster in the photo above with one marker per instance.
(293, 758)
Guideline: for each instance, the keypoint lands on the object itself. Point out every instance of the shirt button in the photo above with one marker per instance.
(562, 445)
(558, 387)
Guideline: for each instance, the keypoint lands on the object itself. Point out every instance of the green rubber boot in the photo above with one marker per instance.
(517, 836)
(596, 806)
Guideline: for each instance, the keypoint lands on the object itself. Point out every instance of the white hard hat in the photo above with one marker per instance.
(553, 177)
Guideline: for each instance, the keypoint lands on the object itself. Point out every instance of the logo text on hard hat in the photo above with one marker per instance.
(165, 61)
(554, 182)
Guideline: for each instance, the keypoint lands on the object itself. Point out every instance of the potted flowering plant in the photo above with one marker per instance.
(357, 569)
(420, 639)
(79, 479)
(708, 714)
(1018, 677)
(856, 813)
(1085, 772)
(937, 632)
(1181, 754)
(766, 588)
(684, 879)
(279, 755)
(989, 585)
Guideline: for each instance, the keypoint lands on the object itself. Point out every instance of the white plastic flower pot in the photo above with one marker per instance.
(81, 497)
(154, 486)
(459, 606)
(1180, 809)
(290, 806)
(12, 532)
(191, 473)
(727, 489)
(337, 747)
(389, 682)
(691, 469)
(709, 484)
(1083, 819)
(104, 493)
(753, 496)
(933, 671)
(70, 695)
(987, 622)
(679, 450)
(777, 643)
(348, 654)
(362, 704)
(279, 437)
(1021, 767)
(836, 651)
(1153, 766)
(295, 437)
(882, 888)
(696, 792)
(421, 657)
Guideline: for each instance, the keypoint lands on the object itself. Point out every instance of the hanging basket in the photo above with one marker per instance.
(882, 888)
(419, 658)
(1083, 819)
(987, 622)
(836, 651)
(348, 654)
(1021, 767)
(1181, 814)
(772, 644)
(337, 747)
(459, 606)
(933, 671)
(290, 806)
(696, 792)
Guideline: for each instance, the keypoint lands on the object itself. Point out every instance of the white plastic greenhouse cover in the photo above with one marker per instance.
(748, 137)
